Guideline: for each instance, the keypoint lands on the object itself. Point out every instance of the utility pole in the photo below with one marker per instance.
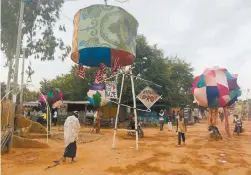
(14, 93)
(248, 113)
(10, 64)
(22, 81)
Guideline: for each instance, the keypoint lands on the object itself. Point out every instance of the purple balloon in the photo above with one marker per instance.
(97, 87)
(232, 84)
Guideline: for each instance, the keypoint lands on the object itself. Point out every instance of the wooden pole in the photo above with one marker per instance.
(22, 82)
(85, 114)
(10, 64)
(247, 105)
(1, 106)
(47, 123)
(227, 114)
(98, 121)
(14, 92)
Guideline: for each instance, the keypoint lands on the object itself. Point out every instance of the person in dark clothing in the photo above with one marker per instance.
(215, 130)
(132, 120)
(55, 116)
(161, 120)
(173, 116)
(169, 122)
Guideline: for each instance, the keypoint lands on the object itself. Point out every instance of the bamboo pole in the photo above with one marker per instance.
(118, 108)
(135, 110)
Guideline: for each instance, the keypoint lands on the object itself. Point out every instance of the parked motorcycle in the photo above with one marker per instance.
(238, 127)
(215, 131)
(131, 126)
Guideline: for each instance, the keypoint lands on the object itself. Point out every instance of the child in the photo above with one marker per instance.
(181, 129)
(169, 124)
(55, 117)
(161, 120)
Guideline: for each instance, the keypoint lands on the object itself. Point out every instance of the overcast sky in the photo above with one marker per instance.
(203, 32)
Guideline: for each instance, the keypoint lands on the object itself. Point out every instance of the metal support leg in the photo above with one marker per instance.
(116, 121)
(135, 110)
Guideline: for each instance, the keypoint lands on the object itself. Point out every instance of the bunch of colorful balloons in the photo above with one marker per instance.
(96, 96)
(53, 96)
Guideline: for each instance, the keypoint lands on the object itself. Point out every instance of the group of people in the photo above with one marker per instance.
(170, 119)
(180, 124)
(72, 128)
(41, 115)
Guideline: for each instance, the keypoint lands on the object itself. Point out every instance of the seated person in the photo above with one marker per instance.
(42, 119)
(237, 122)
(215, 130)
(132, 120)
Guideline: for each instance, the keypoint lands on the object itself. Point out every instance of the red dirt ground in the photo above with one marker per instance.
(158, 155)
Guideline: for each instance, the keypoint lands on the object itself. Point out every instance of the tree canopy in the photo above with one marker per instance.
(39, 21)
(173, 74)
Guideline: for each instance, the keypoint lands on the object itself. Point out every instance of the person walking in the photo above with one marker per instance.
(173, 116)
(169, 122)
(55, 117)
(161, 120)
(71, 130)
(181, 129)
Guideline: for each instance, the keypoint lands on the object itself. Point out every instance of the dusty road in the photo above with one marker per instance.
(158, 155)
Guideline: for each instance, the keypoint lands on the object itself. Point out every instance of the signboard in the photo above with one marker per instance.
(186, 113)
(148, 97)
(111, 90)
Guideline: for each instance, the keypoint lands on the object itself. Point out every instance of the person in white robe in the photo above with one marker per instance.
(71, 130)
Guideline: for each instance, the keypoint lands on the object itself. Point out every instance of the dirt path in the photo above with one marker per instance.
(158, 155)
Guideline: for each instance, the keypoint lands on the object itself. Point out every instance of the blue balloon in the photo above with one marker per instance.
(91, 101)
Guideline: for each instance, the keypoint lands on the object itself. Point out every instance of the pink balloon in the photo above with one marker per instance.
(41, 98)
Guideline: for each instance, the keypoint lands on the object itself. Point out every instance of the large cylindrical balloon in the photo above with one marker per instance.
(103, 33)
(216, 87)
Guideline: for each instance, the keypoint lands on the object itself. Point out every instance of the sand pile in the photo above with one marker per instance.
(26, 125)
(38, 128)
(19, 142)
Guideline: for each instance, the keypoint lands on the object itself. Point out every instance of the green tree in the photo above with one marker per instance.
(180, 74)
(39, 21)
(30, 95)
(173, 74)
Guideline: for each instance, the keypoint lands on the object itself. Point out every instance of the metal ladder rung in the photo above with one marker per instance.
(126, 130)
